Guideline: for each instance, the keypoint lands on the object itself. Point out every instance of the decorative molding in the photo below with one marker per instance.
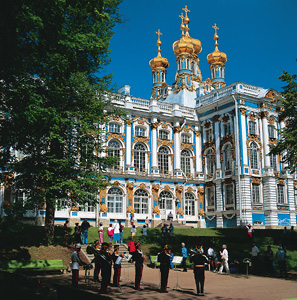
(103, 208)
(119, 136)
(281, 181)
(256, 180)
(271, 120)
(154, 125)
(155, 191)
(216, 118)
(129, 122)
(264, 114)
(130, 187)
(187, 146)
(177, 129)
(200, 194)
(179, 193)
(197, 133)
(242, 111)
(228, 181)
(273, 141)
(271, 95)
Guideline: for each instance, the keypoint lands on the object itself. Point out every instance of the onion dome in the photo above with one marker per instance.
(159, 61)
(186, 44)
(216, 57)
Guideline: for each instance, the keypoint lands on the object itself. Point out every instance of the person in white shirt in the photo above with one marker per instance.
(255, 259)
(75, 262)
(116, 231)
(224, 257)
(210, 255)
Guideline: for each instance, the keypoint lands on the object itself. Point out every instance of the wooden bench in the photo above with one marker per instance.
(32, 265)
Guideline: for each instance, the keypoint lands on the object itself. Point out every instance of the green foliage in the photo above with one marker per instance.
(287, 146)
(53, 96)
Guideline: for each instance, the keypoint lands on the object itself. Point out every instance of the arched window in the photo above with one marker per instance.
(209, 162)
(163, 159)
(114, 150)
(189, 204)
(139, 157)
(114, 127)
(228, 158)
(141, 202)
(185, 161)
(115, 200)
(165, 200)
(254, 156)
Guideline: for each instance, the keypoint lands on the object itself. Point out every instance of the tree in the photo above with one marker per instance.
(53, 99)
(287, 145)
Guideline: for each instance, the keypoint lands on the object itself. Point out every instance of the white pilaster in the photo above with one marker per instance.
(177, 129)
(154, 125)
(265, 140)
(198, 152)
(243, 137)
(128, 144)
(217, 142)
(282, 126)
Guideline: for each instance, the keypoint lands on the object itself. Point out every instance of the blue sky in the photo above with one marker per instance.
(259, 38)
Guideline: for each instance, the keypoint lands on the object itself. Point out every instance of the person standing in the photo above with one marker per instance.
(75, 262)
(66, 232)
(105, 267)
(116, 258)
(224, 257)
(138, 257)
(199, 261)
(131, 246)
(100, 231)
(116, 231)
(144, 231)
(121, 232)
(96, 261)
(171, 229)
(250, 230)
(171, 258)
(147, 222)
(85, 225)
(110, 233)
(132, 220)
(77, 233)
(185, 256)
(133, 232)
(268, 261)
(210, 254)
(164, 260)
(281, 259)
(255, 259)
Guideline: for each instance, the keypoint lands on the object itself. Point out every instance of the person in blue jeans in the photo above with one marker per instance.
(185, 256)
(85, 225)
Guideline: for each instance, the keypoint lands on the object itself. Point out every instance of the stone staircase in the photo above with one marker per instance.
(123, 248)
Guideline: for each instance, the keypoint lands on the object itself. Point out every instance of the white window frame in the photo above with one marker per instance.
(256, 193)
(114, 199)
(114, 127)
(210, 193)
(164, 160)
(165, 200)
(139, 157)
(186, 138)
(254, 157)
(253, 127)
(186, 161)
(164, 135)
(189, 204)
(273, 161)
(281, 194)
(140, 131)
(208, 135)
(115, 152)
(141, 201)
(229, 188)
(228, 158)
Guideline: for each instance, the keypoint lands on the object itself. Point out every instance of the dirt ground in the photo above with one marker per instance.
(217, 286)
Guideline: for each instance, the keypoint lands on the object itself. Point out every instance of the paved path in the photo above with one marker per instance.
(216, 286)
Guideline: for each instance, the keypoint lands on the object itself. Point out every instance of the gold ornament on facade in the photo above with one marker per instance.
(263, 105)
(177, 129)
(130, 209)
(159, 61)
(103, 208)
(189, 189)
(143, 186)
(271, 120)
(186, 129)
(156, 210)
(154, 125)
(180, 211)
(164, 126)
(256, 180)
(178, 193)
(201, 212)
(200, 194)
(116, 136)
(187, 146)
(8, 180)
(103, 194)
(165, 143)
(155, 191)
(242, 111)
(129, 188)
(226, 118)
(273, 141)
(207, 124)
(242, 101)
(252, 116)
(197, 133)
(271, 95)
(281, 181)
(129, 122)
(216, 118)
(166, 188)
(264, 114)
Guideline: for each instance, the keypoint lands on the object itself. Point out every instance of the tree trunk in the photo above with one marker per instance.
(49, 222)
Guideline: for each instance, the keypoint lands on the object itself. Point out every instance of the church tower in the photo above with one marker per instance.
(217, 62)
(159, 67)
(186, 50)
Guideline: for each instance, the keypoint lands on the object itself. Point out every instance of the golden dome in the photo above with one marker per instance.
(186, 43)
(159, 61)
(216, 57)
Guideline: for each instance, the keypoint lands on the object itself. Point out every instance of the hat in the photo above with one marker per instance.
(78, 246)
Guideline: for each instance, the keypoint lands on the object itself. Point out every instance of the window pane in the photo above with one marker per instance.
(229, 194)
(114, 127)
(255, 193)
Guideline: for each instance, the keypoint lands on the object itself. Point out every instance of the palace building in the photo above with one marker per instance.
(197, 148)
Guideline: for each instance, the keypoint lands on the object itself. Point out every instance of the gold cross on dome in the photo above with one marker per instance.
(182, 17)
(215, 27)
(186, 10)
(159, 33)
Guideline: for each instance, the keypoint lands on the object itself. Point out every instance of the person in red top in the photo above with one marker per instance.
(131, 246)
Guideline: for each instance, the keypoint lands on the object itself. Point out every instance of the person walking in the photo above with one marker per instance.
(144, 231)
(85, 225)
(164, 260)
(100, 231)
(138, 257)
(110, 233)
(199, 261)
(281, 257)
(116, 231)
(224, 258)
(77, 233)
(121, 232)
(185, 256)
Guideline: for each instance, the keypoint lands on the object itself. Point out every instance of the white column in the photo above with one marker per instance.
(154, 126)
(198, 152)
(265, 140)
(217, 142)
(282, 126)
(128, 145)
(177, 129)
(243, 137)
